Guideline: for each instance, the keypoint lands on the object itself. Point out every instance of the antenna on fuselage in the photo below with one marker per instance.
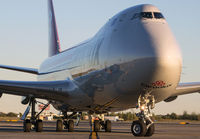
(54, 42)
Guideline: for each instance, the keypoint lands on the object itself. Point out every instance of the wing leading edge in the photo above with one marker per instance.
(52, 90)
(183, 89)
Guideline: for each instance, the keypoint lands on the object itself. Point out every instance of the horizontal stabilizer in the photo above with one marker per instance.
(22, 69)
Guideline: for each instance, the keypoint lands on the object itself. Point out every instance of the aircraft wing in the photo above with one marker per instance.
(52, 90)
(22, 69)
(183, 89)
(187, 88)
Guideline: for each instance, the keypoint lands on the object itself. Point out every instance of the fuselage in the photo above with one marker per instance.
(134, 53)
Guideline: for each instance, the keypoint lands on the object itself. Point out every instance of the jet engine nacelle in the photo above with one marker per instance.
(171, 99)
(25, 100)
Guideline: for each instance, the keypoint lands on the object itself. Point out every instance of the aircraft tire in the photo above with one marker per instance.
(70, 126)
(150, 131)
(108, 126)
(96, 125)
(59, 125)
(138, 128)
(39, 126)
(27, 125)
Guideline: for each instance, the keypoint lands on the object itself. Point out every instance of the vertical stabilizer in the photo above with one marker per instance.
(54, 42)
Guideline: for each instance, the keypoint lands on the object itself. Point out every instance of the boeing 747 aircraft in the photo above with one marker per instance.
(133, 61)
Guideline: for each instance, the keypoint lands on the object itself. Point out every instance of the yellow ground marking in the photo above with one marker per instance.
(11, 120)
(183, 123)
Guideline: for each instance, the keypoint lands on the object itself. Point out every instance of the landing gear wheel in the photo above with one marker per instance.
(138, 128)
(96, 125)
(39, 126)
(70, 126)
(108, 126)
(59, 126)
(150, 130)
(27, 125)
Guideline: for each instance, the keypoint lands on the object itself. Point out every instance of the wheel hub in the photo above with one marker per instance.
(137, 128)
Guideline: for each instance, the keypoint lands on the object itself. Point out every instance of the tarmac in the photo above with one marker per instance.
(120, 130)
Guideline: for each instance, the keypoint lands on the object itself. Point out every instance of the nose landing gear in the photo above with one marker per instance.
(144, 126)
(99, 123)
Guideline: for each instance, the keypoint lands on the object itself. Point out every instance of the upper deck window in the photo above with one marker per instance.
(146, 15)
(158, 15)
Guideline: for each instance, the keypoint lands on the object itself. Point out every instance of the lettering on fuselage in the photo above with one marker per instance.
(156, 85)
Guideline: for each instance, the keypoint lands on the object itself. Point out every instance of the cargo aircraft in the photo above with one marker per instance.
(133, 61)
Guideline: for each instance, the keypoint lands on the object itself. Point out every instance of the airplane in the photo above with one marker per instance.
(133, 61)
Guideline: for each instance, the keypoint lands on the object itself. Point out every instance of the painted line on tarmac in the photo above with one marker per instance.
(12, 120)
(184, 123)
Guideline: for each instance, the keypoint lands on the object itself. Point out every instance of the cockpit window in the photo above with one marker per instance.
(146, 15)
(158, 15)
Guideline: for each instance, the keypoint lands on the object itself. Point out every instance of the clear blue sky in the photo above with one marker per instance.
(24, 37)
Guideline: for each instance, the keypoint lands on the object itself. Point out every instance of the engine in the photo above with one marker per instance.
(171, 99)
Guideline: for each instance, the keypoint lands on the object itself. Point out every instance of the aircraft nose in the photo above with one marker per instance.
(166, 53)
(165, 62)
(152, 56)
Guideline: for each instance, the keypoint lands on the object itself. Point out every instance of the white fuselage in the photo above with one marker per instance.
(129, 55)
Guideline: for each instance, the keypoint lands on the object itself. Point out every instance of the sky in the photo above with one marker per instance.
(24, 38)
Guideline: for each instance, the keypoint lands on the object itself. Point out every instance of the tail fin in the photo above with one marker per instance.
(54, 42)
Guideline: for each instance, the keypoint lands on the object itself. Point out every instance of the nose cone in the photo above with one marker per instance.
(163, 58)
(168, 57)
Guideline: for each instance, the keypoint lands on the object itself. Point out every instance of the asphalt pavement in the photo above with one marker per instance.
(120, 130)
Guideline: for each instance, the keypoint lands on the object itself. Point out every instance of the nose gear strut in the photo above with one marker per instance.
(144, 126)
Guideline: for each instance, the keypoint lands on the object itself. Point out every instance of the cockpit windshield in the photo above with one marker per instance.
(158, 15)
(146, 15)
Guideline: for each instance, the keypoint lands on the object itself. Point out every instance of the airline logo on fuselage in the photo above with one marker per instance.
(156, 84)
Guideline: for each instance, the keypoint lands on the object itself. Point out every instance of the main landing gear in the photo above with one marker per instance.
(34, 122)
(66, 123)
(144, 126)
(99, 123)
